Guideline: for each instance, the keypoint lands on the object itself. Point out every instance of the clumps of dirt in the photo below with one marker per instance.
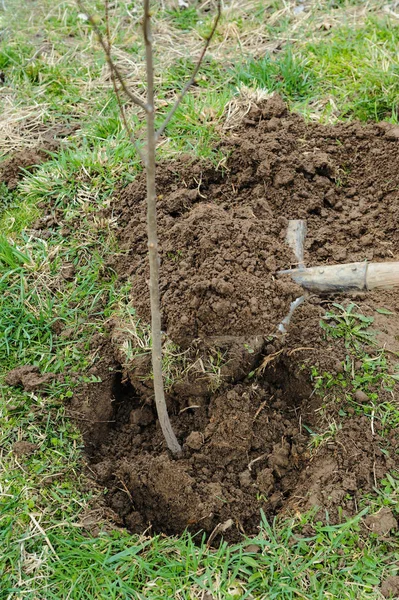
(13, 168)
(29, 378)
(24, 448)
(244, 449)
(382, 523)
(222, 231)
(247, 443)
(390, 587)
(218, 263)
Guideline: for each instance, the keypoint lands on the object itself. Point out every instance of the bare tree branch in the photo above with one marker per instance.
(133, 97)
(122, 112)
(163, 416)
(193, 75)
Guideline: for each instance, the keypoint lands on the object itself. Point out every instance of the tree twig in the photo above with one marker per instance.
(193, 75)
(160, 402)
(133, 97)
(122, 112)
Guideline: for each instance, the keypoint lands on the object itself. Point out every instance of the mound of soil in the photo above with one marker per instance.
(222, 231)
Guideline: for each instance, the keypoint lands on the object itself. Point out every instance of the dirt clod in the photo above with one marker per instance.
(361, 396)
(390, 587)
(68, 272)
(29, 378)
(24, 448)
(12, 169)
(195, 440)
(382, 522)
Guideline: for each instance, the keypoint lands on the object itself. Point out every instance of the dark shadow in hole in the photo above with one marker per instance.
(125, 399)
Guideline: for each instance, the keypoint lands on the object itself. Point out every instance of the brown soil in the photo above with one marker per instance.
(12, 169)
(29, 378)
(390, 587)
(382, 522)
(24, 448)
(222, 234)
(246, 445)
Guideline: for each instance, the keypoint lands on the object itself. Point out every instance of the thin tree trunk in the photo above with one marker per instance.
(149, 163)
(163, 416)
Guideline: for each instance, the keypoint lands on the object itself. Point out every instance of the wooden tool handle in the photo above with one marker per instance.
(342, 278)
(383, 275)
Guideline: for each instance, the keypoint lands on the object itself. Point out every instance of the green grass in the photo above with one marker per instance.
(280, 563)
(287, 73)
(351, 73)
(362, 70)
(54, 73)
(376, 373)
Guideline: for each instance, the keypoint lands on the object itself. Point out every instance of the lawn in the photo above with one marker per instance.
(333, 60)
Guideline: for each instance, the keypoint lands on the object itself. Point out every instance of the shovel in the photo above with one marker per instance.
(358, 276)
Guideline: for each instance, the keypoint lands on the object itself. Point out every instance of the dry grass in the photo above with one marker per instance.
(248, 29)
(20, 126)
(240, 105)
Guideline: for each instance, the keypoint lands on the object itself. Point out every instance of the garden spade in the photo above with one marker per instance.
(357, 276)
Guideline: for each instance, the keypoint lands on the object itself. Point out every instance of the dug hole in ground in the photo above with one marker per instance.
(240, 394)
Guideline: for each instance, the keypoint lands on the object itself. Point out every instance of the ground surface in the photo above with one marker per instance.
(291, 440)
(222, 238)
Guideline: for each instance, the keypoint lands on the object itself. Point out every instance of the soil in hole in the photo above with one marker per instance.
(244, 449)
(246, 445)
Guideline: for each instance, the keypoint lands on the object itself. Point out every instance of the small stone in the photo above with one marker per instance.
(195, 440)
(252, 549)
(361, 397)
